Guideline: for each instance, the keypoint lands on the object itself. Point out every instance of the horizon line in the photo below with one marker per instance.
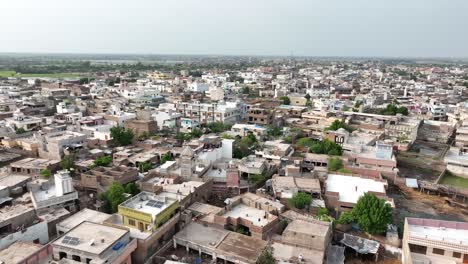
(240, 55)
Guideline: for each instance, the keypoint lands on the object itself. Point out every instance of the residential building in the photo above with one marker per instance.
(95, 244)
(342, 192)
(434, 241)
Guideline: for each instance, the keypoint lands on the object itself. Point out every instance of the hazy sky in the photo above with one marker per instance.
(428, 28)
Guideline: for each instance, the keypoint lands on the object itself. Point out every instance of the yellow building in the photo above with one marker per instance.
(148, 211)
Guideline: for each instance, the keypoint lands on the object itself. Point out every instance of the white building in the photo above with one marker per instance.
(59, 194)
(198, 87)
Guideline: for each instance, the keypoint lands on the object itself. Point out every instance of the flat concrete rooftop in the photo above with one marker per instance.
(102, 236)
(221, 242)
(351, 188)
(83, 216)
(254, 215)
(18, 252)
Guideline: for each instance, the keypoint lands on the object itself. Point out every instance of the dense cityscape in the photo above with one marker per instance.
(232, 160)
(233, 132)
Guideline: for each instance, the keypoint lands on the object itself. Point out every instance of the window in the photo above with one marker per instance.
(456, 255)
(438, 251)
(131, 222)
(417, 249)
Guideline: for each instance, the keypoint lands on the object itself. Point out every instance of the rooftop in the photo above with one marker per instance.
(256, 216)
(151, 203)
(90, 237)
(33, 163)
(222, 242)
(316, 228)
(351, 188)
(18, 252)
(447, 231)
(85, 215)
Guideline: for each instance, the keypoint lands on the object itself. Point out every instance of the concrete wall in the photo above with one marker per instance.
(37, 231)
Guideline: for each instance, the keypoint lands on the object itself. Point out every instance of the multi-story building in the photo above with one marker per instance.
(95, 244)
(99, 178)
(33, 167)
(52, 145)
(342, 192)
(59, 193)
(225, 112)
(243, 130)
(22, 121)
(434, 241)
(259, 116)
(148, 211)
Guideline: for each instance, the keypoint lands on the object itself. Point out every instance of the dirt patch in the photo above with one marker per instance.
(412, 203)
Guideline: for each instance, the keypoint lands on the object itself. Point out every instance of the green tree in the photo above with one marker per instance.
(402, 110)
(337, 124)
(266, 257)
(20, 130)
(393, 109)
(121, 135)
(274, 131)
(196, 133)
(144, 166)
(132, 188)
(370, 213)
(307, 97)
(334, 164)
(305, 142)
(218, 127)
(165, 157)
(45, 173)
(346, 218)
(183, 136)
(68, 162)
(300, 200)
(103, 161)
(326, 147)
(285, 100)
(115, 195)
(244, 146)
(257, 178)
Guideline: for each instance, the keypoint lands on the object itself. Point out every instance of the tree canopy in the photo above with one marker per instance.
(218, 127)
(144, 166)
(121, 135)
(337, 124)
(370, 213)
(300, 200)
(114, 196)
(165, 157)
(102, 161)
(393, 109)
(326, 147)
(334, 164)
(285, 100)
(266, 257)
(68, 162)
(45, 173)
(244, 146)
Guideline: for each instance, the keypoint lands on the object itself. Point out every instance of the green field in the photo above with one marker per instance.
(450, 179)
(7, 73)
(40, 75)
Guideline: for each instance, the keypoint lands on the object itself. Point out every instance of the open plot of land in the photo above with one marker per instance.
(450, 179)
(412, 203)
(41, 75)
(7, 73)
(423, 162)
